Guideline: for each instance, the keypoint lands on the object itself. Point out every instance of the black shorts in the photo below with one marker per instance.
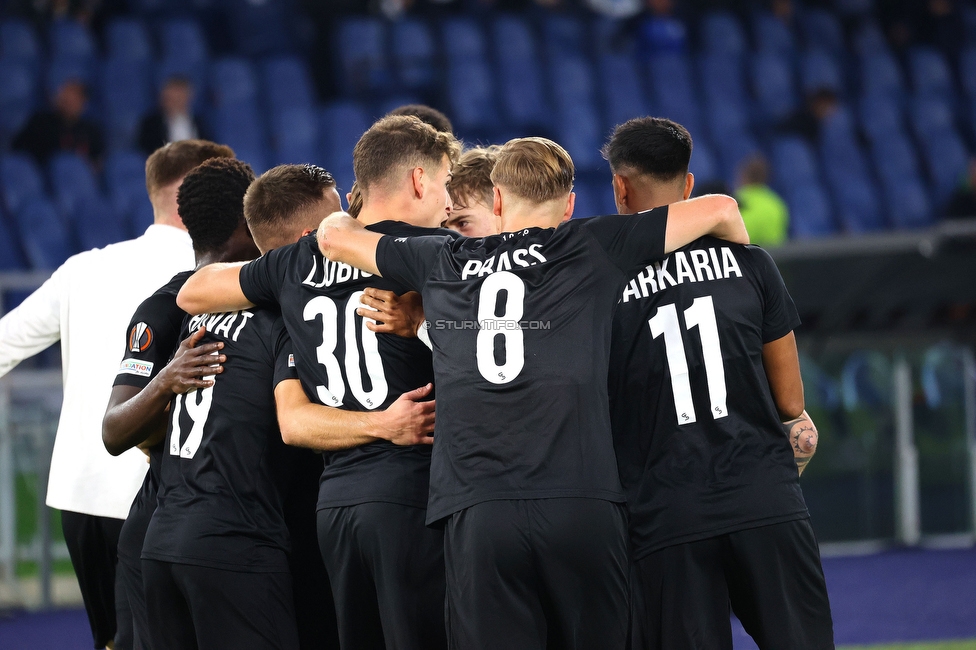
(771, 576)
(537, 574)
(387, 574)
(130, 593)
(193, 607)
(93, 546)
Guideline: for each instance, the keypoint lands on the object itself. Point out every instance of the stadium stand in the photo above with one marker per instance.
(907, 131)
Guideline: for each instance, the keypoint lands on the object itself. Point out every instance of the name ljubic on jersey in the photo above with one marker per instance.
(331, 273)
(704, 265)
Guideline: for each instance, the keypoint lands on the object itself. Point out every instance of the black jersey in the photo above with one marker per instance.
(520, 324)
(343, 364)
(700, 446)
(152, 338)
(225, 467)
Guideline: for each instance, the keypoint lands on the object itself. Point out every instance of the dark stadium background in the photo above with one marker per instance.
(884, 282)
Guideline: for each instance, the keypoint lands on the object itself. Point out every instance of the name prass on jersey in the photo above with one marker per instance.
(228, 325)
(703, 265)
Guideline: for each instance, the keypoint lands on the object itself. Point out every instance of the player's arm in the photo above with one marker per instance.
(343, 239)
(214, 288)
(387, 313)
(32, 326)
(408, 421)
(714, 214)
(782, 365)
(135, 416)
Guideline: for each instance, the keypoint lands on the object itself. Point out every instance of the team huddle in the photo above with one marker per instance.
(456, 418)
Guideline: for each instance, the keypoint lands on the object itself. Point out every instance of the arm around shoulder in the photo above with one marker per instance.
(713, 214)
(214, 288)
(343, 239)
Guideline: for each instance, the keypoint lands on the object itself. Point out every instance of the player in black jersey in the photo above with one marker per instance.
(385, 566)
(703, 369)
(523, 469)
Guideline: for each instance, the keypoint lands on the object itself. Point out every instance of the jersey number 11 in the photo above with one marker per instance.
(701, 314)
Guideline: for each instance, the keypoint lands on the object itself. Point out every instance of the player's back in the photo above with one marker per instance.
(224, 466)
(343, 364)
(700, 447)
(520, 326)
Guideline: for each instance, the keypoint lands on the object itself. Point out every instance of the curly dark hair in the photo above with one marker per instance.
(211, 201)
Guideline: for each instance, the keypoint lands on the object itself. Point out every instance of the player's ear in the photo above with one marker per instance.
(417, 177)
(620, 187)
(496, 206)
(689, 185)
(570, 206)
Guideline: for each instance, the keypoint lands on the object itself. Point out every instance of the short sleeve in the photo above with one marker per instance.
(284, 353)
(410, 260)
(779, 313)
(262, 279)
(631, 241)
(152, 336)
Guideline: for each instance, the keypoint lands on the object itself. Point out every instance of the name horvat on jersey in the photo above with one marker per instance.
(704, 265)
(524, 257)
(222, 324)
(331, 273)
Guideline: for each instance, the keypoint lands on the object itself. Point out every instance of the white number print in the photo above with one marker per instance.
(506, 326)
(333, 394)
(701, 314)
(197, 404)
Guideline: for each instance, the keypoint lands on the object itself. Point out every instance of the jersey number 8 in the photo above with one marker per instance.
(490, 327)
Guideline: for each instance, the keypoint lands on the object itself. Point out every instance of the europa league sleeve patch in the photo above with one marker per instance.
(140, 337)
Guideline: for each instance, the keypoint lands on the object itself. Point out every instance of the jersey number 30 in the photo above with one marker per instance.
(701, 314)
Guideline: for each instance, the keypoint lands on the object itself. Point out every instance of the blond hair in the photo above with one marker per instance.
(536, 169)
(471, 177)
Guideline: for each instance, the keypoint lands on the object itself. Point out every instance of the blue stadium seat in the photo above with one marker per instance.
(465, 36)
(722, 81)
(880, 117)
(908, 204)
(880, 75)
(472, 95)
(45, 239)
(772, 81)
(725, 119)
(232, 82)
(587, 201)
(71, 40)
(19, 44)
(772, 35)
(11, 258)
(127, 39)
(947, 161)
(821, 30)
(855, 196)
(125, 99)
(858, 205)
(361, 54)
(123, 168)
(132, 204)
(578, 129)
(865, 380)
(17, 94)
(73, 182)
(572, 80)
(240, 125)
(895, 160)
(621, 89)
(703, 163)
(183, 42)
(98, 224)
(296, 136)
(260, 28)
(869, 39)
(931, 115)
(62, 70)
(854, 7)
(520, 78)
(734, 148)
(794, 163)
(671, 84)
(287, 84)
(342, 124)
(721, 33)
(930, 72)
(414, 54)
(967, 71)
(819, 69)
(562, 35)
(810, 214)
(20, 180)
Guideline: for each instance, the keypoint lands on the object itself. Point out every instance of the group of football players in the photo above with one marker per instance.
(612, 459)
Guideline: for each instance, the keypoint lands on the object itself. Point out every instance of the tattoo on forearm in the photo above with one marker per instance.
(802, 434)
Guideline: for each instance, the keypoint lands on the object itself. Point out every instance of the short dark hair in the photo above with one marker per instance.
(427, 115)
(283, 193)
(471, 177)
(173, 161)
(655, 146)
(397, 142)
(211, 201)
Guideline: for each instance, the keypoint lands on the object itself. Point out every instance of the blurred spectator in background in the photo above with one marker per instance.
(763, 211)
(821, 104)
(174, 120)
(660, 31)
(615, 8)
(64, 128)
(932, 22)
(963, 200)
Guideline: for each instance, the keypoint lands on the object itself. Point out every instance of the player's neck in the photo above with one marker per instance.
(390, 209)
(538, 218)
